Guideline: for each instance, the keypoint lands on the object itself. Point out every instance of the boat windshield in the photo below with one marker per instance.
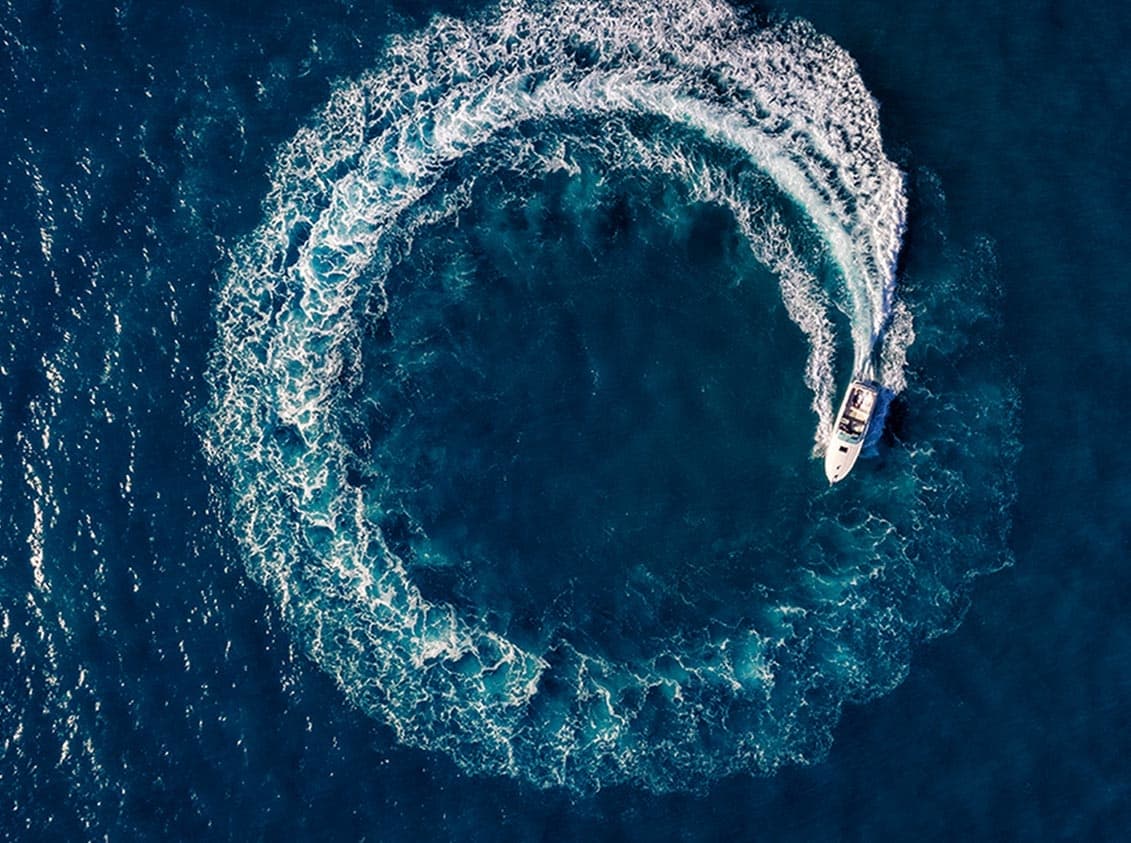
(857, 411)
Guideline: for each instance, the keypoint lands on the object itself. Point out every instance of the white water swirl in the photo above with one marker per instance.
(389, 156)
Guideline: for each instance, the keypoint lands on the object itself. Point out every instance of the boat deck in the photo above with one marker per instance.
(857, 411)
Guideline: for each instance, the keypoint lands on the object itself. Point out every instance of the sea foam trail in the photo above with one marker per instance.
(787, 98)
(646, 85)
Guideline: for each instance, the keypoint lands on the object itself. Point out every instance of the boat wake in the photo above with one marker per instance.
(769, 122)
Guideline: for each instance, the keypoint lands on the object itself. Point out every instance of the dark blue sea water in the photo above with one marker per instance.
(411, 421)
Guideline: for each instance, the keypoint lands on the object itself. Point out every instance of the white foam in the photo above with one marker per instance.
(787, 100)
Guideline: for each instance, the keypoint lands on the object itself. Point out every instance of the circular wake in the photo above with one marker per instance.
(773, 126)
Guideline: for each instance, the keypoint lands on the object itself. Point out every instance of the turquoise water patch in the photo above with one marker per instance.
(585, 382)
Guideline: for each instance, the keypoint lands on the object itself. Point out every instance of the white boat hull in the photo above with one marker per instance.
(850, 429)
(839, 459)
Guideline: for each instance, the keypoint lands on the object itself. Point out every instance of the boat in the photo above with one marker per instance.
(850, 429)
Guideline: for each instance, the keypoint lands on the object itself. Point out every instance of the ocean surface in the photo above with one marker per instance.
(412, 418)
